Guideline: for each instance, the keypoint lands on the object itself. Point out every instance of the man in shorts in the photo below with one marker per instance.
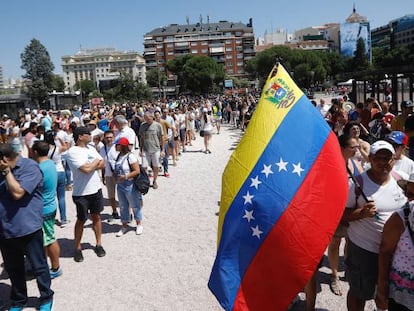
(85, 163)
(150, 141)
(47, 166)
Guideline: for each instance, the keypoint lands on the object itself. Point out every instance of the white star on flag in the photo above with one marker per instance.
(248, 215)
(255, 182)
(282, 165)
(248, 198)
(256, 231)
(297, 169)
(267, 169)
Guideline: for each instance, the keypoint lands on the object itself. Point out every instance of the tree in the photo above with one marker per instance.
(57, 83)
(155, 77)
(200, 73)
(39, 71)
(360, 60)
(85, 86)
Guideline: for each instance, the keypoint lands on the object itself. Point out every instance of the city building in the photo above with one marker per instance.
(398, 32)
(230, 44)
(402, 31)
(355, 27)
(101, 64)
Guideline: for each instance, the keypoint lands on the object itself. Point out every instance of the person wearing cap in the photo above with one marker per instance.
(126, 168)
(403, 165)
(396, 257)
(378, 197)
(85, 163)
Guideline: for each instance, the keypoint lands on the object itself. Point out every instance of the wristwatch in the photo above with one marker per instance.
(5, 172)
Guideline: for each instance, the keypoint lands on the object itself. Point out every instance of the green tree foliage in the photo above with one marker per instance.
(85, 86)
(360, 60)
(200, 73)
(125, 88)
(307, 67)
(39, 71)
(57, 83)
(155, 78)
(176, 66)
(393, 58)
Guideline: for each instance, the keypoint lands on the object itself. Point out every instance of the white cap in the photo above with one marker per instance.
(380, 145)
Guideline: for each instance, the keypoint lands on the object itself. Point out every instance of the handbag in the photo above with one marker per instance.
(202, 133)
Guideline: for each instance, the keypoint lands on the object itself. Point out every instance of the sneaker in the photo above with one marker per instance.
(115, 215)
(121, 232)
(166, 174)
(99, 251)
(64, 223)
(139, 229)
(154, 185)
(78, 256)
(69, 187)
(47, 306)
(55, 274)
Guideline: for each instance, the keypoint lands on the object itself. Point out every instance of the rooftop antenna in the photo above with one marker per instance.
(208, 19)
(354, 10)
(201, 19)
(187, 19)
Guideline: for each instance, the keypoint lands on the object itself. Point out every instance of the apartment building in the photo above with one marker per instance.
(230, 44)
(101, 64)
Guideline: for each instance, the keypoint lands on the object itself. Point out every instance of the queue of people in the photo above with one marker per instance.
(43, 155)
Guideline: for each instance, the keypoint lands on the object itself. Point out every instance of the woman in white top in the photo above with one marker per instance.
(125, 170)
(207, 128)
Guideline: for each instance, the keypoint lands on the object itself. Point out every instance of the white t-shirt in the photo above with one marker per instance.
(366, 232)
(129, 134)
(405, 165)
(56, 156)
(83, 184)
(109, 154)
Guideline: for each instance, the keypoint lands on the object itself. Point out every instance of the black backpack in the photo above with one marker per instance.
(141, 182)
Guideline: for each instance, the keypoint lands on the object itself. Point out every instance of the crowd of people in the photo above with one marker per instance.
(43, 154)
(376, 144)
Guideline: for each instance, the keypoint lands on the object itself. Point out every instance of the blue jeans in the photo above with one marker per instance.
(14, 250)
(68, 174)
(165, 159)
(129, 196)
(60, 191)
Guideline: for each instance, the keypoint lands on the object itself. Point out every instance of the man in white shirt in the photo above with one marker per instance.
(124, 130)
(85, 162)
(403, 165)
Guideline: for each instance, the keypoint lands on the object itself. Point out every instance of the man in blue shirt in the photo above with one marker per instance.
(21, 220)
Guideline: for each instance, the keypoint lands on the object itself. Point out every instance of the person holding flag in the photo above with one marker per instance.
(276, 215)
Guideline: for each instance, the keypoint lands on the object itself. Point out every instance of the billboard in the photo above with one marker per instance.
(349, 35)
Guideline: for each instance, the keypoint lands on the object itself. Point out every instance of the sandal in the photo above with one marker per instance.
(335, 286)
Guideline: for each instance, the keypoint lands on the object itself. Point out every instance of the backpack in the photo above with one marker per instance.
(141, 182)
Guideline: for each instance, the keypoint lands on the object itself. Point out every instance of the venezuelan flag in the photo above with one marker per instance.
(283, 193)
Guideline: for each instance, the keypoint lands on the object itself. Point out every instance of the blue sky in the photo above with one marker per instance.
(63, 26)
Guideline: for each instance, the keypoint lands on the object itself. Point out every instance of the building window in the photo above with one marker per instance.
(229, 49)
(229, 56)
(194, 51)
(228, 41)
(204, 51)
(239, 56)
(204, 43)
(170, 45)
(194, 43)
